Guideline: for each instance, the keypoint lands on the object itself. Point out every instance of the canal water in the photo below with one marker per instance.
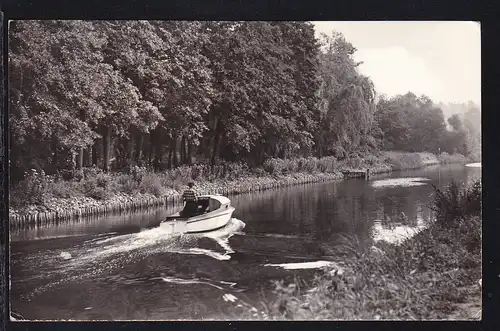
(127, 267)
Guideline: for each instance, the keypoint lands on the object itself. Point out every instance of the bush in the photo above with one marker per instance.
(236, 170)
(126, 183)
(273, 166)
(455, 203)
(34, 189)
(199, 172)
(137, 173)
(446, 158)
(98, 193)
(354, 162)
(405, 160)
(103, 180)
(327, 164)
(98, 187)
(151, 184)
(259, 171)
(371, 160)
(66, 189)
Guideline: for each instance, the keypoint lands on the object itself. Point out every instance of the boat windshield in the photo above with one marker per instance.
(214, 204)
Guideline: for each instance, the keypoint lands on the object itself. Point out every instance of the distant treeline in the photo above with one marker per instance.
(167, 93)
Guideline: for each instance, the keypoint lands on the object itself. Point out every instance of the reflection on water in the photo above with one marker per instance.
(401, 182)
(120, 224)
(321, 211)
(123, 267)
(474, 165)
(395, 233)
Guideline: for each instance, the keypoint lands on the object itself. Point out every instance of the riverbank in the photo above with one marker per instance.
(433, 275)
(43, 199)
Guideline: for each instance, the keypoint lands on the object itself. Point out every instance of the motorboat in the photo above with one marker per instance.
(214, 212)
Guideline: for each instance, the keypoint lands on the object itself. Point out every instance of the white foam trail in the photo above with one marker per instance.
(222, 236)
(106, 234)
(149, 241)
(474, 165)
(231, 284)
(402, 182)
(235, 225)
(188, 282)
(224, 243)
(277, 235)
(65, 255)
(229, 297)
(202, 251)
(146, 242)
(302, 265)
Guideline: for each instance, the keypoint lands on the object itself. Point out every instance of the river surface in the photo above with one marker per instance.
(125, 267)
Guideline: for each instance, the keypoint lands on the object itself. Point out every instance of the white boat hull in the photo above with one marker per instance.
(202, 223)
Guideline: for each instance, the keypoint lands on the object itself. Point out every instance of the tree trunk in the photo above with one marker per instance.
(150, 150)
(79, 159)
(55, 156)
(175, 160)
(170, 153)
(127, 153)
(79, 155)
(87, 157)
(139, 140)
(95, 153)
(216, 143)
(106, 148)
(158, 149)
(189, 152)
(182, 151)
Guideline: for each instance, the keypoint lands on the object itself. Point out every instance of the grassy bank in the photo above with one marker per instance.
(91, 188)
(404, 160)
(432, 275)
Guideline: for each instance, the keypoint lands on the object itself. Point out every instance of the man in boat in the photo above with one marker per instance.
(190, 197)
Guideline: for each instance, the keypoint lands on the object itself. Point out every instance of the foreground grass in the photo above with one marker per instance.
(432, 275)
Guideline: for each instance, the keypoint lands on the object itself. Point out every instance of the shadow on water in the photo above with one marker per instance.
(126, 267)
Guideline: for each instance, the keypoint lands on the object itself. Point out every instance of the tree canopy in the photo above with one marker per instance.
(163, 94)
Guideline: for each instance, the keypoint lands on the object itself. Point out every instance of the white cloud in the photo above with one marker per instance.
(441, 59)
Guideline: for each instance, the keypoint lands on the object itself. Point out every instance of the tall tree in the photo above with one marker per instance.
(347, 102)
(411, 123)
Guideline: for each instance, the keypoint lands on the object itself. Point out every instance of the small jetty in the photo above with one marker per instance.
(356, 173)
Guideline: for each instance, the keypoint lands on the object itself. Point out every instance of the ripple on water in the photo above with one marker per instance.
(474, 165)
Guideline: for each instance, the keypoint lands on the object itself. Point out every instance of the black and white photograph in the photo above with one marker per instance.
(170, 170)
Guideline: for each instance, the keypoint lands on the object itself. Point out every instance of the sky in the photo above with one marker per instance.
(439, 59)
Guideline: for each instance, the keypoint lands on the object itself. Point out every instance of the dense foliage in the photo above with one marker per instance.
(415, 124)
(164, 94)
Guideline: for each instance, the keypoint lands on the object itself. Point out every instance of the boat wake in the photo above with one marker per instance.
(176, 280)
(159, 239)
(106, 253)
